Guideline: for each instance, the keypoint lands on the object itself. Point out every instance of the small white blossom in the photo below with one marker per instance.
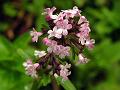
(56, 75)
(39, 53)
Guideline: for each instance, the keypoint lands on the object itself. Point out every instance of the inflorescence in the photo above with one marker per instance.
(68, 29)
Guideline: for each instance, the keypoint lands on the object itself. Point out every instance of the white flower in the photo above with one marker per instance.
(55, 32)
(67, 66)
(39, 53)
(56, 75)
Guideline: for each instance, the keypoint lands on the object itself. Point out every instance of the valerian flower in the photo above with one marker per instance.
(90, 43)
(60, 50)
(67, 30)
(63, 26)
(49, 13)
(31, 68)
(82, 58)
(64, 72)
(55, 32)
(82, 19)
(72, 12)
(35, 35)
(63, 51)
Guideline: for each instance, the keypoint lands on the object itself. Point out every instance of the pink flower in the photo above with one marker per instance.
(31, 68)
(60, 50)
(35, 35)
(82, 59)
(64, 51)
(84, 33)
(55, 32)
(84, 27)
(64, 72)
(81, 38)
(49, 42)
(46, 41)
(63, 26)
(49, 13)
(82, 19)
(52, 46)
(61, 16)
(66, 27)
(90, 43)
(72, 12)
(77, 11)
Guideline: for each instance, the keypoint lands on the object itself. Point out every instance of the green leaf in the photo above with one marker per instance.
(67, 4)
(3, 26)
(6, 49)
(10, 10)
(12, 80)
(22, 41)
(102, 28)
(66, 84)
(80, 2)
(38, 6)
(45, 80)
(106, 52)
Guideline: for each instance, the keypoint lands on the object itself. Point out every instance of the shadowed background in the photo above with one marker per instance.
(18, 17)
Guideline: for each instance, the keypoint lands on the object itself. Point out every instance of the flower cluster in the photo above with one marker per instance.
(60, 50)
(68, 29)
(64, 72)
(31, 68)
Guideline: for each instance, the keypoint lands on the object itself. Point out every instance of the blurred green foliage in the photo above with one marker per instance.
(17, 17)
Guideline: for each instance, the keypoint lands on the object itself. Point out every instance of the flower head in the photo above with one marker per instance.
(67, 30)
